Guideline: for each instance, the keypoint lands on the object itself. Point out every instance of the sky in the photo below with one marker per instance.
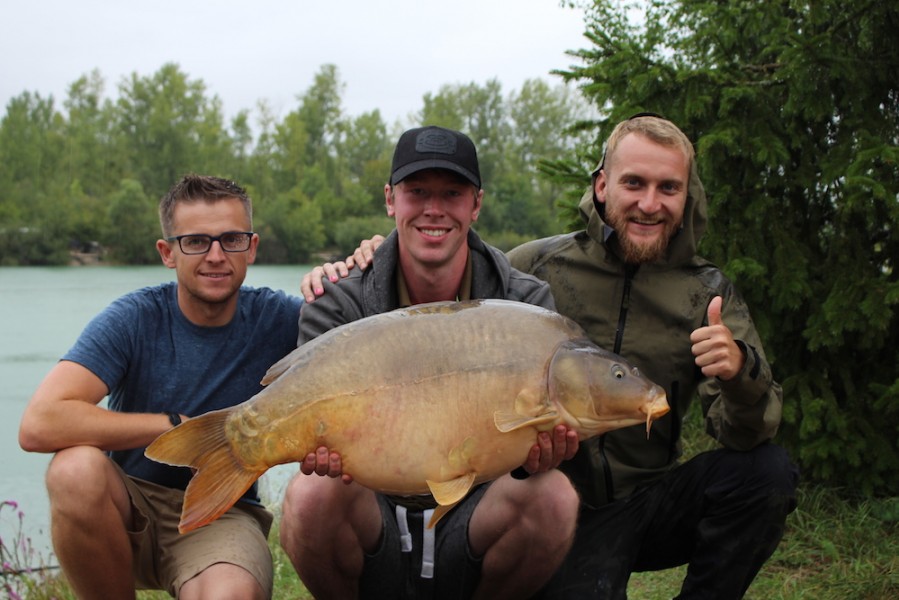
(389, 53)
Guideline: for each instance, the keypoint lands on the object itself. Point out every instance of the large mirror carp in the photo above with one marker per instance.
(431, 399)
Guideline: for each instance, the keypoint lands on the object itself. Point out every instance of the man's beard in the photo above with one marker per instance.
(635, 253)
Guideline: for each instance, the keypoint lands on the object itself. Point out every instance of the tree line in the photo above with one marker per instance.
(793, 108)
(92, 172)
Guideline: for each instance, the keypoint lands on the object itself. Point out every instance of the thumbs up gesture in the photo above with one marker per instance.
(714, 348)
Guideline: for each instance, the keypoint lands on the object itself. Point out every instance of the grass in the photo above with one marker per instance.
(836, 546)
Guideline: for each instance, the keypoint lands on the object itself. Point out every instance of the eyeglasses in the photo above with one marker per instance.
(200, 243)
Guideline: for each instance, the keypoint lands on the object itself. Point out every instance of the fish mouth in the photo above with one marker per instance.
(654, 409)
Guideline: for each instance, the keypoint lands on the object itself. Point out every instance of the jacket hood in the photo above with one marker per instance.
(685, 242)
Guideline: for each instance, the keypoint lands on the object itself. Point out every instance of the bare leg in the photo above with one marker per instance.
(89, 515)
(327, 527)
(523, 529)
(222, 581)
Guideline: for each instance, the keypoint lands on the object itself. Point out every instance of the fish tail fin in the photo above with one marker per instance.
(220, 478)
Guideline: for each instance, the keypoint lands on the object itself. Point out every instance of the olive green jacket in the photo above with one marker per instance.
(646, 314)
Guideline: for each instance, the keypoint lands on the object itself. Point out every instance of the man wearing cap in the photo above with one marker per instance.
(507, 537)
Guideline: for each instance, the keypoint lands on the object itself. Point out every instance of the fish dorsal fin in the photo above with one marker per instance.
(507, 420)
(281, 367)
(448, 493)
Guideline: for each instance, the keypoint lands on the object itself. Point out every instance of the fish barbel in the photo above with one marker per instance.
(434, 398)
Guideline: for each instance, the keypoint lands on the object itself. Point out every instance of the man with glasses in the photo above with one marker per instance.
(162, 354)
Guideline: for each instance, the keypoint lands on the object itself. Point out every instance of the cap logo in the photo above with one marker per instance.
(435, 141)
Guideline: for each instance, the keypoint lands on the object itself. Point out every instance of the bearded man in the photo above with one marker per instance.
(633, 280)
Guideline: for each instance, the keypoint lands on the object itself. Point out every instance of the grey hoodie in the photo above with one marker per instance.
(374, 291)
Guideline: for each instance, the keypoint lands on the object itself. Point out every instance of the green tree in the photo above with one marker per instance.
(134, 221)
(365, 151)
(31, 135)
(30, 151)
(320, 112)
(794, 110)
(168, 127)
(242, 147)
(511, 133)
(91, 153)
(291, 226)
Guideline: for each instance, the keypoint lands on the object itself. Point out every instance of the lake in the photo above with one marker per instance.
(43, 311)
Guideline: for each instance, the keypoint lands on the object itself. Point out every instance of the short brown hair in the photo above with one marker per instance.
(196, 188)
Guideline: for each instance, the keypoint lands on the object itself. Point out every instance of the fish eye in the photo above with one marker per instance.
(618, 372)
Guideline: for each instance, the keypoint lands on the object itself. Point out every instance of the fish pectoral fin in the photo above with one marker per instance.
(438, 513)
(506, 420)
(220, 479)
(448, 493)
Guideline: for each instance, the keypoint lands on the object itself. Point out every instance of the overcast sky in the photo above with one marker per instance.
(389, 53)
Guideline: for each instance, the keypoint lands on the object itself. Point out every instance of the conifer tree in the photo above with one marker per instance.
(794, 110)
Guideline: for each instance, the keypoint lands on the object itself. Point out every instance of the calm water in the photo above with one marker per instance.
(42, 312)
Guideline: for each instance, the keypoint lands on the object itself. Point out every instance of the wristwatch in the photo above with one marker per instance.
(174, 419)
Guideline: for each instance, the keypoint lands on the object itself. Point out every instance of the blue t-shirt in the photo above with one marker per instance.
(153, 360)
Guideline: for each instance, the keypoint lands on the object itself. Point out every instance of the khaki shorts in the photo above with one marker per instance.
(165, 559)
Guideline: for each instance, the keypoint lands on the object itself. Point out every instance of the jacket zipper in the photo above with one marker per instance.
(629, 272)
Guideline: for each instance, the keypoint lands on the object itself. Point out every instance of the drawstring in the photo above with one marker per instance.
(429, 535)
(405, 536)
(429, 538)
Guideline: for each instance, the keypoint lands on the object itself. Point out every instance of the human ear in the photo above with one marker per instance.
(478, 203)
(165, 253)
(599, 186)
(388, 200)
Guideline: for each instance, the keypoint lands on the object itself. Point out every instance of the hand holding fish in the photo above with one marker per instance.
(716, 352)
(550, 450)
(324, 462)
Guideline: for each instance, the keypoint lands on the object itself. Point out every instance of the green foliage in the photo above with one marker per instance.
(794, 110)
(292, 227)
(94, 172)
(349, 232)
(512, 135)
(131, 239)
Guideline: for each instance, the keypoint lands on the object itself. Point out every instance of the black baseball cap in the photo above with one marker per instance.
(435, 148)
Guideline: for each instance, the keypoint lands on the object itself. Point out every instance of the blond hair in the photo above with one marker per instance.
(656, 129)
